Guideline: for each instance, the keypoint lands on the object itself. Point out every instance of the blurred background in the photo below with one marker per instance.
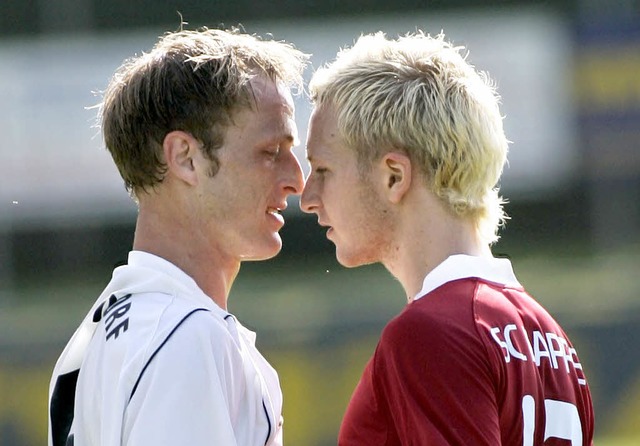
(569, 75)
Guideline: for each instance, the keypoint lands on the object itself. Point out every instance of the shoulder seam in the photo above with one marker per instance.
(482, 335)
(135, 386)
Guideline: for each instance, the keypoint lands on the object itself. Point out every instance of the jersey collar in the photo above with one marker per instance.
(178, 280)
(462, 266)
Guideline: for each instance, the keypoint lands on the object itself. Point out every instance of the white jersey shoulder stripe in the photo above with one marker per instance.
(135, 386)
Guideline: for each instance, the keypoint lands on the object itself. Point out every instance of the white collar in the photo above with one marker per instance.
(147, 260)
(179, 280)
(159, 270)
(462, 266)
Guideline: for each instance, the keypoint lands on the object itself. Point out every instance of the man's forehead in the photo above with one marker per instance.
(266, 90)
(322, 145)
(323, 125)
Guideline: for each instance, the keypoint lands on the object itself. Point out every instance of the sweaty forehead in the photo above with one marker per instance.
(268, 93)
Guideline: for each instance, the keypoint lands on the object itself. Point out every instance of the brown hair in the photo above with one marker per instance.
(191, 81)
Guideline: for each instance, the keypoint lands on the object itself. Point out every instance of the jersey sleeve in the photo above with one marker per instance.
(186, 393)
(432, 372)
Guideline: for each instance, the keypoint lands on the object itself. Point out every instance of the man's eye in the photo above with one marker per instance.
(273, 152)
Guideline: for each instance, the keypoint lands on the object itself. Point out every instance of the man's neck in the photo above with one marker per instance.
(161, 235)
(425, 238)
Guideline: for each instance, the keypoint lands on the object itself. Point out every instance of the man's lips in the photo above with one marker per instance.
(275, 212)
(276, 209)
(326, 226)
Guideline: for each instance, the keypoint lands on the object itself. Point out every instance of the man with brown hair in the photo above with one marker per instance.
(201, 129)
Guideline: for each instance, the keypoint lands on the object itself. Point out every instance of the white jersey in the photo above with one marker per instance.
(157, 362)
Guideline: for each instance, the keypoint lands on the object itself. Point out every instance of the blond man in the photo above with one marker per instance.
(406, 147)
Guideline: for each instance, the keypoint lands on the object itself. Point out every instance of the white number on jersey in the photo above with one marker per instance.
(562, 421)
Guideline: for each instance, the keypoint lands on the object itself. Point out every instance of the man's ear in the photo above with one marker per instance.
(396, 169)
(180, 149)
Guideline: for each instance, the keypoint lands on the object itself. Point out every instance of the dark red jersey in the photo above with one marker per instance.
(473, 360)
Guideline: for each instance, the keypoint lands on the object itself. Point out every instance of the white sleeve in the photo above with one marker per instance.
(187, 393)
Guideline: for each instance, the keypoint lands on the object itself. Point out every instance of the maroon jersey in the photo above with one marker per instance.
(473, 360)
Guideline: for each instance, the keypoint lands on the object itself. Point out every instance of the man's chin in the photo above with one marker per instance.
(348, 261)
(265, 252)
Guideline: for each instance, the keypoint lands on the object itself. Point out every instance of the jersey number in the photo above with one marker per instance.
(563, 421)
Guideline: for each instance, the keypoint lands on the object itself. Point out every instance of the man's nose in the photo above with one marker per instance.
(309, 199)
(295, 176)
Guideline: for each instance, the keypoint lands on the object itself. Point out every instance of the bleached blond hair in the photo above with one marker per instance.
(419, 95)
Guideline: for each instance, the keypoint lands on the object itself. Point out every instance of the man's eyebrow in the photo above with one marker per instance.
(278, 138)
